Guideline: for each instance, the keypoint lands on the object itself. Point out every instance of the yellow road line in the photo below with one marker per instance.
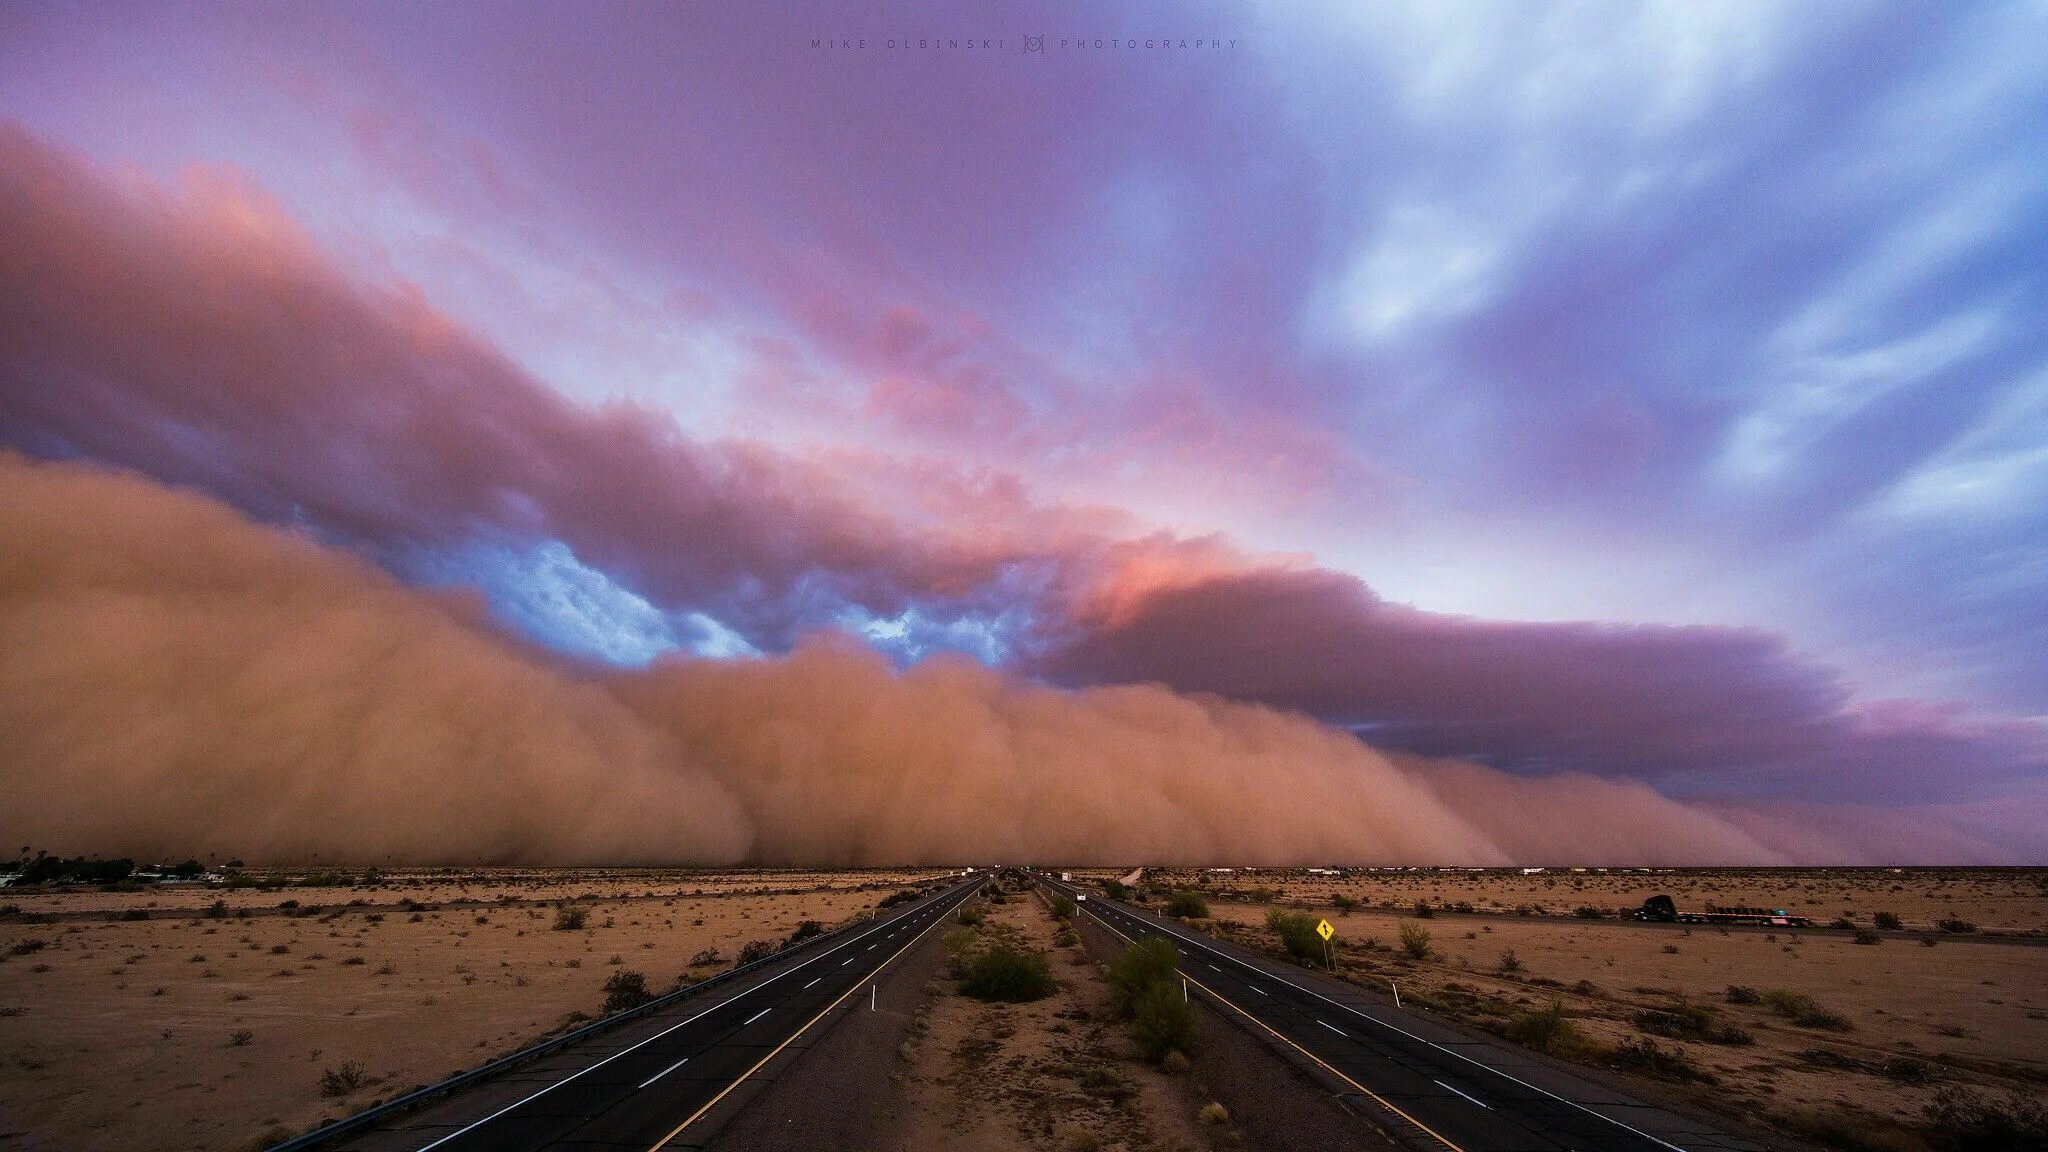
(699, 1113)
(1226, 1002)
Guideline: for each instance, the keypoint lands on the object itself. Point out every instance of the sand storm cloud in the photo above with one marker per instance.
(176, 678)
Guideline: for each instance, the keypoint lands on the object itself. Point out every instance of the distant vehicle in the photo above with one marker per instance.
(1662, 909)
(1080, 897)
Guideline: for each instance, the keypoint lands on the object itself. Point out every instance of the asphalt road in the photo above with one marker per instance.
(644, 1084)
(1433, 1087)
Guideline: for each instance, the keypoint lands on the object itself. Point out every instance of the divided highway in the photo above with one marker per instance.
(1433, 1087)
(644, 1084)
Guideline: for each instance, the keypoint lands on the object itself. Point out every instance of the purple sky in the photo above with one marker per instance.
(1658, 390)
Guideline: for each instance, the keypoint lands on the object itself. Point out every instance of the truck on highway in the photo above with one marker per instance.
(1663, 909)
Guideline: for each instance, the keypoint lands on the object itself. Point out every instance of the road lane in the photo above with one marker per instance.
(1451, 1090)
(642, 1085)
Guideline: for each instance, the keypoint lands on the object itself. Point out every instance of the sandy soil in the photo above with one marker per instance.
(1995, 899)
(1056, 1073)
(204, 1033)
(1914, 1020)
(263, 891)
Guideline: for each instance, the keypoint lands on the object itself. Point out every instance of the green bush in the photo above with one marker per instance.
(959, 946)
(626, 989)
(972, 916)
(1956, 925)
(1545, 1030)
(756, 950)
(570, 917)
(1887, 921)
(804, 931)
(1415, 940)
(1115, 889)
(1187, 905)
(1297, 933)
(1136, 968)
(1162, 1021)
(1063, 908)
(1008, 974)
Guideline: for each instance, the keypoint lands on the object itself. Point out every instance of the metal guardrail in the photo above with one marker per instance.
(370, 1117)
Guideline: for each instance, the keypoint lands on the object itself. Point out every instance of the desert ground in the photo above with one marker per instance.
(1056, 1073)
(202, 1028)
(1818, 1034)
(219, 1018)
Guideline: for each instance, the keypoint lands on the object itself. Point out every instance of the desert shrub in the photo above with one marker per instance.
(756, 950)
(1187, 905)
(1866, 936)
(1213, 1113)
(1008, 974)
(626, 989)
(1743, 994)
(571, 917)
(1415, 940)
(1343, 904)
(1788, 1003)
(804, 931)
(217, 910)
(1907, 1070)
(1887, 921)
(240, 1037)
(1955, 925)
(1509, 962)
(343, 1080)
(25, 947)
(706, 958)
(1063, 908)
(895, 898)
(1587, 912)
(959, 947)
(1647, 1057)
(1297, 933)
(1137, 968)
(1423, 910)
(1115, 889)
(135, 914)
(1825, 1019)
(1545, 1029)
(1965, 1122)
(1162, 1021)
(1690, 1022)
(972, 916)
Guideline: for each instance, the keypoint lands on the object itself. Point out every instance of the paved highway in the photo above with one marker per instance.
(1432, 1087)
(644, 1084)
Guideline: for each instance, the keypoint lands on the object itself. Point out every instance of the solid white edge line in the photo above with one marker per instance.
(474, 1124)
(1433, 1044)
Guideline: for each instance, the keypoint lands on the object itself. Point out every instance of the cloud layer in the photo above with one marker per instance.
(179, 679)
(197, 336)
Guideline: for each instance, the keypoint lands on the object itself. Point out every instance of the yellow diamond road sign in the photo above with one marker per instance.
(1324, 930)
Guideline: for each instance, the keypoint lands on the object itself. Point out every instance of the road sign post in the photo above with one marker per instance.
(1324, 930)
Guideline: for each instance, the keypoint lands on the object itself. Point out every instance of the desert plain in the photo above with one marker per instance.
(202, 1017)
